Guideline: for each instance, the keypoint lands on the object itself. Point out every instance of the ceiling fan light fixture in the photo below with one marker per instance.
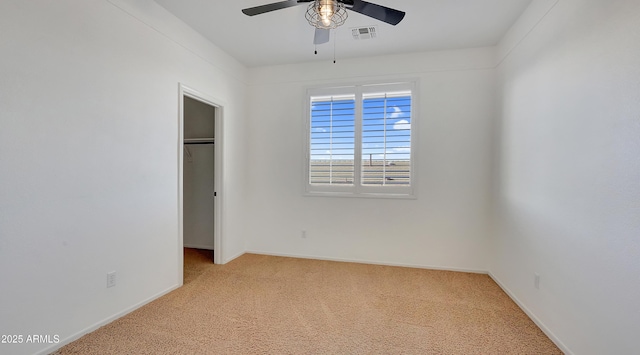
(326, 14)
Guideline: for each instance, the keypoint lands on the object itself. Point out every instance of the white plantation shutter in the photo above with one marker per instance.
(332, 141)
(360, 140)
(386, 139)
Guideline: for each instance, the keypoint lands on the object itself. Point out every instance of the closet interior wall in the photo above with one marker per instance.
(198, 178)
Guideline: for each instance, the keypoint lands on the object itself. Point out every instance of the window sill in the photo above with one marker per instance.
(368, 195)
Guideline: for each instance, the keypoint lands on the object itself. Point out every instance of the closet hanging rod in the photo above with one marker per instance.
(199, 141)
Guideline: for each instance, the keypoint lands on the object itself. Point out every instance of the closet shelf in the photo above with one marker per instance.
(199, 141)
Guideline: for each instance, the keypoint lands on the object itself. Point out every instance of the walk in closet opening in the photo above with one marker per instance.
(199, 175)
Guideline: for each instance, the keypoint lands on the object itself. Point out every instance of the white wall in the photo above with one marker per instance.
(568, 191)
(444, 228)
(89, 158)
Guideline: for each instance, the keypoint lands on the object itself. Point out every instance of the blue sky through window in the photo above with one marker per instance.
(386, 127)
(332, 140)
(332, 129)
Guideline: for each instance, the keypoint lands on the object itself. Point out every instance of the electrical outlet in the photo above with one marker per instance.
(111, 279)
(303, 234)
(536, 281)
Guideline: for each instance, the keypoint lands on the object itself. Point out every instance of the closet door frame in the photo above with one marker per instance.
(218, 210)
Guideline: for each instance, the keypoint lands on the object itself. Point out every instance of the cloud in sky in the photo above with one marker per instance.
(402, 124)
(397, 112)
(402, 150)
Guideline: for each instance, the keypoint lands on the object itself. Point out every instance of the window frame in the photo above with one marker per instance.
(357, 189)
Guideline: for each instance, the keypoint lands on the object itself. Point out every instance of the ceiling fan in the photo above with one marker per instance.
(325, 15)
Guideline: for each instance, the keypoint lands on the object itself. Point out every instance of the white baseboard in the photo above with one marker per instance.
(234, 257)
(372, 262)
(106, 321)
(533, 317)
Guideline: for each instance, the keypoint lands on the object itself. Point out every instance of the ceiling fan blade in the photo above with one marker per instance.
(252, 11)
(378, 12)
(322, 36)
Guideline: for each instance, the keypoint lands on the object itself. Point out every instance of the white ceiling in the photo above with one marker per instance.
(284, 36)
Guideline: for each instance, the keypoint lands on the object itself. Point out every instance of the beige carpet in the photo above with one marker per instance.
(272, 305)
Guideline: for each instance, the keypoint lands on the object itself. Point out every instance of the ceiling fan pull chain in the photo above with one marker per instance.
(334, 46)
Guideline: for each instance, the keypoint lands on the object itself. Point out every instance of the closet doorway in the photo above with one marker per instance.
(200, 174)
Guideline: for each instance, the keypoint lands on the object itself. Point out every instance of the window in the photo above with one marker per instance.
(360, 140)
(332, 140)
